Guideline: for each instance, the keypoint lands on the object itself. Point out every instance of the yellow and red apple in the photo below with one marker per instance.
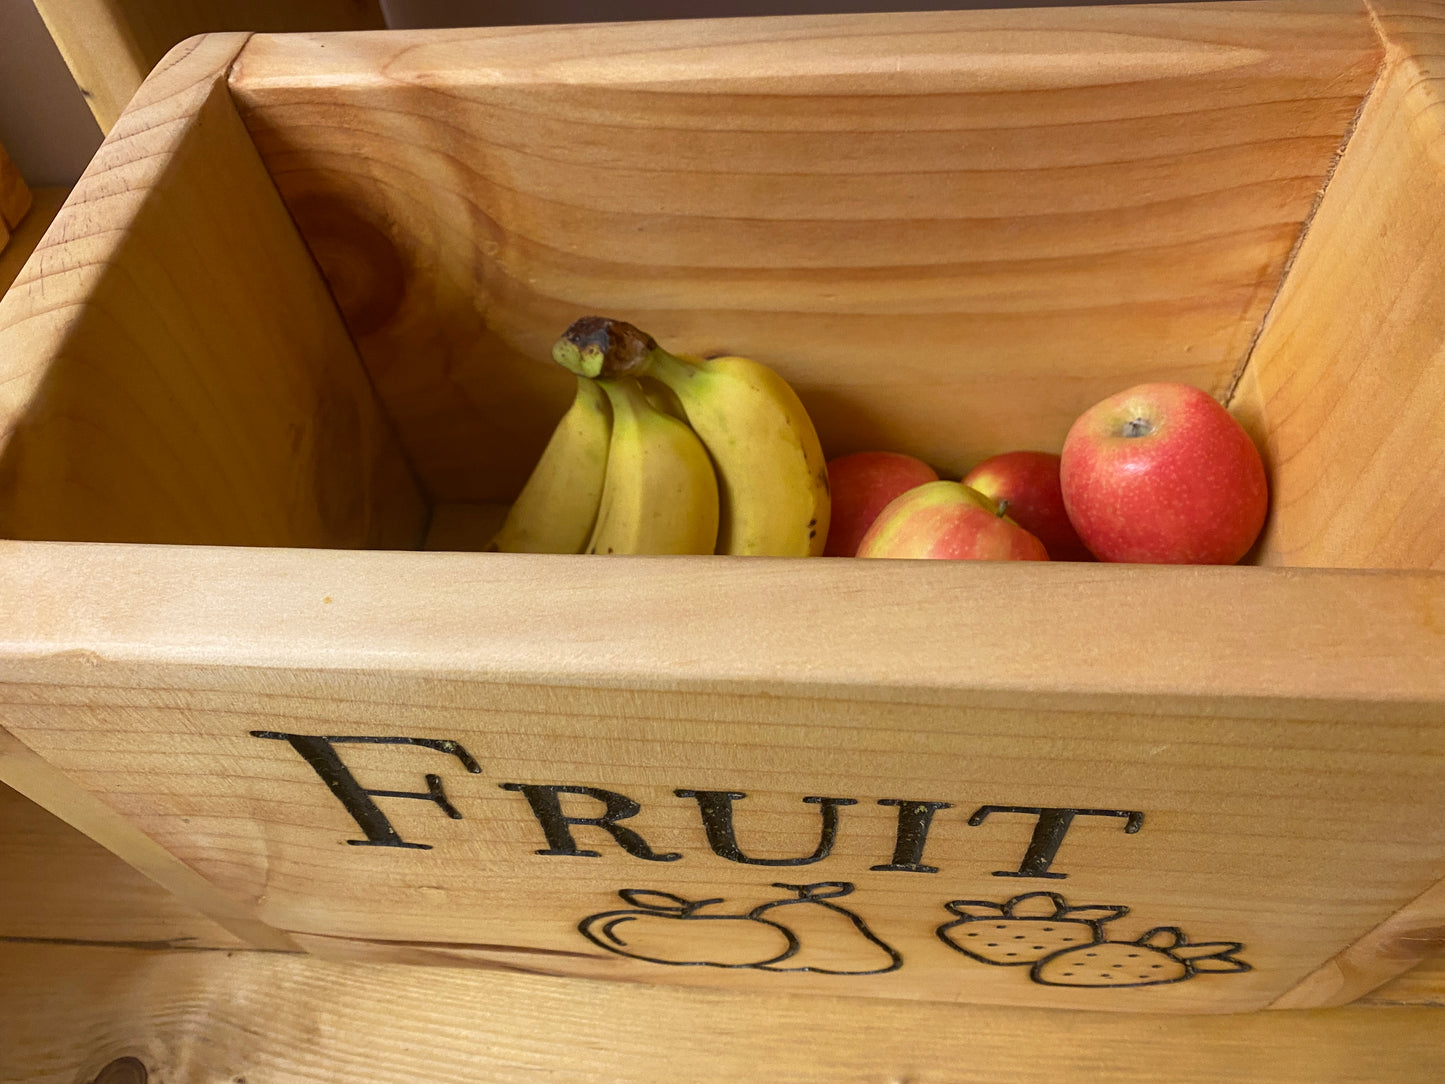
(860, 485)
(1027, 485)
(1163, 474)
(949, 521)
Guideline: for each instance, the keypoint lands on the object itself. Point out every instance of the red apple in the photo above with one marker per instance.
(948, 520)
(1027, 485)
(860, 485)
(1163, 474)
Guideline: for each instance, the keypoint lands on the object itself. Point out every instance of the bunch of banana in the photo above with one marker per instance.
(557, 507)
(738, 471)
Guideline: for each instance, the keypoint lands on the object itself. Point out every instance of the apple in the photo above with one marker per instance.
(948, 520)
(1026, 484)
(1163, 474)
(860, 485)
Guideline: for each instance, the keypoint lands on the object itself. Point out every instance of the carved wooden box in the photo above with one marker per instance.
(285, 348)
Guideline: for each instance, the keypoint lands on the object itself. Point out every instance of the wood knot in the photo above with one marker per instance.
(123, 1071)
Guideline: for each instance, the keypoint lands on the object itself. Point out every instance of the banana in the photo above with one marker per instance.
(557, 508)
(660, 493)
(773, 479)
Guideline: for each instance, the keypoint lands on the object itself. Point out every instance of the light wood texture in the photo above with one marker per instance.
(45, 206)
(1011, 215)
(1412, 934)
(60, 885)
(14, 197)
(1346, 389)
(111, 45)
(1286, 789)
(1019, 211)
(65, 1013)
(32, 777)
(171, 366)
(1423, 984)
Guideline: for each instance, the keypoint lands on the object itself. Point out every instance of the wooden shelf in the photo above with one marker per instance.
(263, 1016)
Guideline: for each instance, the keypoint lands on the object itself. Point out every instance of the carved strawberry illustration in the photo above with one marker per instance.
(1162, 955)
(1025, 929)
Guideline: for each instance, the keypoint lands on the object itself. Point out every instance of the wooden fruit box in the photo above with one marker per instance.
(296, 316)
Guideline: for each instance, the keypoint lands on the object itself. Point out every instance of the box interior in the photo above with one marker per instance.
(949, 254)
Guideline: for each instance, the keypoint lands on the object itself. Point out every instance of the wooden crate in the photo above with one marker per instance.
(299, 309)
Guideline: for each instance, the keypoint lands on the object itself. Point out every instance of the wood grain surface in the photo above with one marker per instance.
(1414, 932)
(171, 366)
(24, 771)
(45, 206)
(64, 888)
(14, 197)
(61, 885)
(1423, 985)
(110, 46)
(1282, 782)
(515, 764)
(66, 1013)
(952, 231)
(1346, 390)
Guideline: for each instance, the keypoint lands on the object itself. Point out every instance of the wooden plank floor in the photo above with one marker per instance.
(258, 1017)
(97, 964)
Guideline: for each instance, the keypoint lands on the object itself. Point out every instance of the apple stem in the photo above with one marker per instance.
(1002, 507)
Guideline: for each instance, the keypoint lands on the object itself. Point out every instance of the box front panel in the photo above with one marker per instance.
(919, 792)
(953, 851)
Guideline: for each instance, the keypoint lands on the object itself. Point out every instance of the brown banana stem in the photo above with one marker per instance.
(598, 346)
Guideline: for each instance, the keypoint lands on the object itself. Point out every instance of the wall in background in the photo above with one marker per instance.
(45, 124)
(413, 14)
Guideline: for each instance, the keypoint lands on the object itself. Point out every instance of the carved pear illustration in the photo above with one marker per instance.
(665, 929)
(832, 940)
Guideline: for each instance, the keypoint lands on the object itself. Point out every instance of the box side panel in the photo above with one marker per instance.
(951, 231)
(35, 778)
(1413, 934)
(172, 368)
(110, 46)
(436, 757)
(63, 886)
(15, 196)
(1346, 388)
(45, 207)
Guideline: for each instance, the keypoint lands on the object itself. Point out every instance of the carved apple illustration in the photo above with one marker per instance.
(1025, 929)
(665, 929)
